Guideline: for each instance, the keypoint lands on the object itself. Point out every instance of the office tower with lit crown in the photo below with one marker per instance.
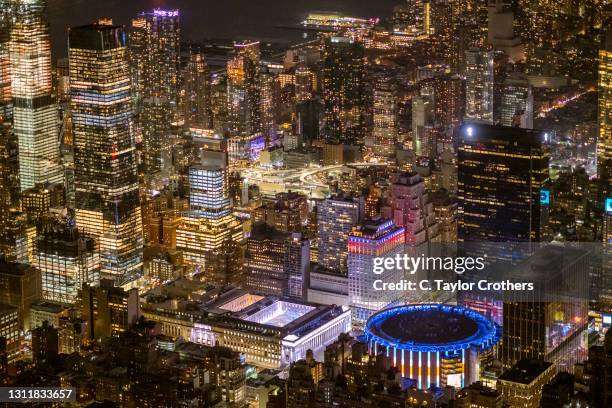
(66, 260)
(479, 85)
(343, 91)
(371, 239)
(277, 262)
(604, 141)
(35, 114)
(155, 61)
(501, 171)
(336, 217)
(106, 180)
(408, 207)
(243, 94)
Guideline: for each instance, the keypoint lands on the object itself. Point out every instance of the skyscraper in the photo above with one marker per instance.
(197, 102)
(479, 85)
(408, 206)
(106, 180)
(545, 324)
(277, 262)
(336, 217)
(155, 62)
(305, 83)
(5, 193)
(500, 174)
(6, 21)
(500, 33)
(384, 118)
(243, 93)
(108, 309)
(422, 121)
(66, 260)
(269, 96)
(371, 239)
(36, 119)
(449, 98)
(517, 102)
(209, 234)
(343, 91)
(604, 141)
(501, 171)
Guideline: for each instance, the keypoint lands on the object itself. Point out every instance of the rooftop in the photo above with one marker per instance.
(525, 371)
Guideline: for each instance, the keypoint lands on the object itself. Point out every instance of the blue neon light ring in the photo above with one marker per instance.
(486, 336)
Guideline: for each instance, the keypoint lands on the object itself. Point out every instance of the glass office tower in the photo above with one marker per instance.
(106, 180)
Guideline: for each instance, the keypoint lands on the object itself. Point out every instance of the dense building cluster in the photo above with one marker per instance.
(199, 223)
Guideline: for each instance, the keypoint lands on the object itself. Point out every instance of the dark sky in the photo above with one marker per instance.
(202, 19)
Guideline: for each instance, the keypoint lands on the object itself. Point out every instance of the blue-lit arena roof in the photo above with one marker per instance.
(432, 328)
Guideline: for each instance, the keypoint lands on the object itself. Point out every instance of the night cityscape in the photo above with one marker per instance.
(306, 203)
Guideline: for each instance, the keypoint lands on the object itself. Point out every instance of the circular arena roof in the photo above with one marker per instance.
(431, 327)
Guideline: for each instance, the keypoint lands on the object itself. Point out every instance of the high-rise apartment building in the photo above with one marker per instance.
(448, 92)
(336, 217)
(155, 68)
(269, 103)
(305, 83)
(288, 212)
(243, 93)
(6, 133)
(479, 85)
(197, 104)
(343, 91)
(384, 116)
(35, 113)
(106, 179)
